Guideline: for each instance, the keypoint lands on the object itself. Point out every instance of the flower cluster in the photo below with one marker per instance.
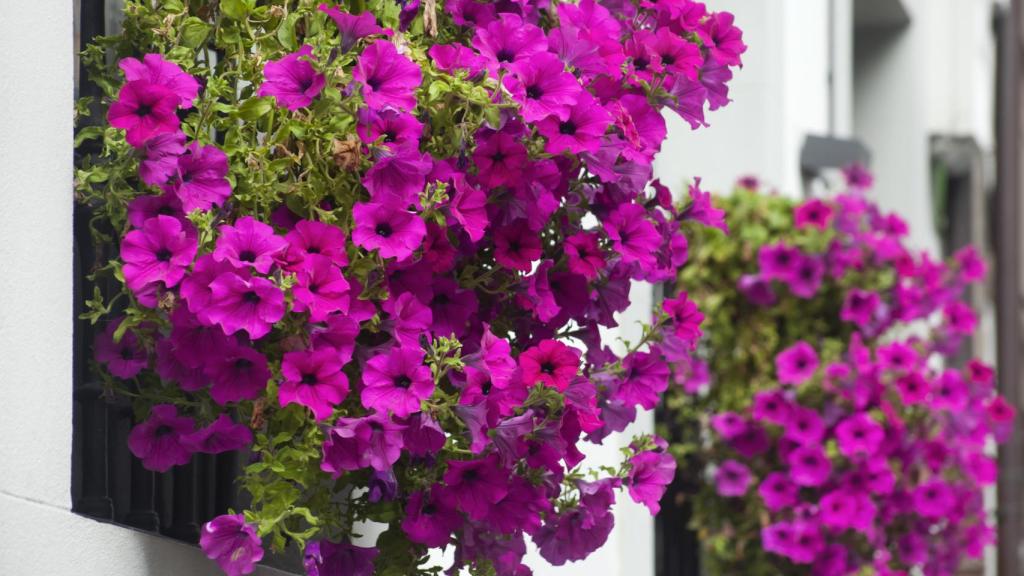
(854, 441)
(376, 248)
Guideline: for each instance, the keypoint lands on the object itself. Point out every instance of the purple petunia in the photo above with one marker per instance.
(392, 231)
(249, 243)
(373, 441)
(387, 77)
(160, 251)
(143, 110)
(292, 80)
(233, 543)
(397, 382)
(241, 303)
(796, 364)
(313, 379)
(159, 441)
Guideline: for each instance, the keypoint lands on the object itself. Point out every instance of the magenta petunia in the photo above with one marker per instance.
(352, 27)
(373, 441)
(238, 303)
(859, 436)
(326, 558)
(429, 522)
(392, 231)
(778, 492)
(123, 359)
(809, 466)
(732, 479)
(313, 379)
(723, 39)
(397, 382)
(468, 207)
(686, 318)
(508, 41)
(160, 157)
(757, 290)
(222, 435)
(249, 243)
(702, 209)
(778, 261)
(804, 426)
(584, 254)
(642, 127)
(673, 54)
(387, 77)
(551, 363)
(320, 289)
(500, 159)
(580, 132)
(796, 364)
(474, 486)
(516, 247)
(292, 80)
(452, 58)
(394, 129)
(233, 543)
(650, 475)
(157, 441)
(238, 373)
(160, 251)
(773, 407)
(309, 237)
(807, 276)
(814, 212)
(195, 288)
(201, 180)
(542, 88)
(860, 307)
(143, 110)
(155, 69)
(142, 208)
(934, 499)
(633, 236)
(398, 177)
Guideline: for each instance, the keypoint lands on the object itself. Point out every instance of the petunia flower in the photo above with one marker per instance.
(804, 426)
(551, 363)
(685, 317)
(500, 159)
(815, 212)
(860, 307)
(392, 231)
(160, 157)
(157, 441)
(934, 499)
(584, 254)
(373, 441)
(201, 180)
(778, 261)
(352, 27)
(796, 364)
(320, 288)
(395, 129)
(808, 466)
(292, 80)
(723, 39)
(859, 435)
(143, 110)
(238, 303)
(702, 209)
(516, 247)
(649, 477)
(239, 373)
(233, 543)
(633, 236)
(248, 243)
(452, 58)
(807, 275)
(313, 379)
(222, 435)
(396, 382)
(468, 207)
(508, 41)
(542, 88)
(757, 290)
(473, 486)
(326, 558)
(428, 521)
(155, 69)
(580, 132)
(673, 54)
(124, 359)
(398, 177)
(160, 251)
(778, 492)
(732, 479)
(312, 238)
(387, 77)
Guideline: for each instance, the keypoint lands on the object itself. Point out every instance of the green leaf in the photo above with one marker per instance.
(254, 108)
(194, 32)
(88, 133)
(237, 9)
(286, 32)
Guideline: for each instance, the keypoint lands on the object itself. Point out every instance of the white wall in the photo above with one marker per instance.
(38, 533)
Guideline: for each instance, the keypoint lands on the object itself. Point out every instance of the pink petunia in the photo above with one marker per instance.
(313, 379)
(160, 251)
(397, 382)
(387, 77)
(292, 80)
